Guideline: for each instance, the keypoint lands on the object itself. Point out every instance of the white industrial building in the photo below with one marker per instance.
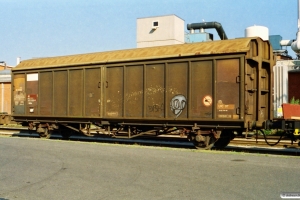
(160, 31)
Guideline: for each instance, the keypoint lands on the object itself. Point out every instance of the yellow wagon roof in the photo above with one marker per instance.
(169, 51)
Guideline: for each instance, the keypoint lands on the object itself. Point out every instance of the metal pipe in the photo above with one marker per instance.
(296, 44)
(205, 25)
(286, 42)
(298, 15)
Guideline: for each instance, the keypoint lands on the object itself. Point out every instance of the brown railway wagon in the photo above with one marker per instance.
(205, 90)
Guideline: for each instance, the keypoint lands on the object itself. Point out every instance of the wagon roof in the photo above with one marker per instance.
(171, 51)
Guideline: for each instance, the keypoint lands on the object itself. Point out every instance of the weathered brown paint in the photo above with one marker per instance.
(209, 83)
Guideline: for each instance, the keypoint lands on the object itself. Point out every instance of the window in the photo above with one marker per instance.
(155, 24)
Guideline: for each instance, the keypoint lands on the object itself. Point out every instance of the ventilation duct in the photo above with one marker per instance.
(206, 25)
(296, 44)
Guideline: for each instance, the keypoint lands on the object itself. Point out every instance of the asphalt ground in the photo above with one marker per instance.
(33, 168)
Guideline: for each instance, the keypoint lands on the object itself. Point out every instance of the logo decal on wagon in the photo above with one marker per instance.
(177, 104)
(207, 101)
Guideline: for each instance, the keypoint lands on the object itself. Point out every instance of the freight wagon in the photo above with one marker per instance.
(205, 90)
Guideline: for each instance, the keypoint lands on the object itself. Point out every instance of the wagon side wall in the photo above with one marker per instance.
(204, 89)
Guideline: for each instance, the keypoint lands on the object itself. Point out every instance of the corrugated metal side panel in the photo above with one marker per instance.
(227, 88)
(46, 93)
(19, 94)
(133, 91)
(60, 98)
(177, 88)
(154, 90)
(202, 48)
(92, 91)
(201, 89)
(75, 93)
(281, 96)
(114, 92)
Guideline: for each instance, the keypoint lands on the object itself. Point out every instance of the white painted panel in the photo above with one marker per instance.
(33, 77)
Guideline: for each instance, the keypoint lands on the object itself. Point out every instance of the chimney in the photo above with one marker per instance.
(18, 60)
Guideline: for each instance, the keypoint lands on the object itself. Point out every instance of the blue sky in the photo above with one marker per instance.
(44, 28)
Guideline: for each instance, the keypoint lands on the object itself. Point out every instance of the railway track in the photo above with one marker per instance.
(239, 144)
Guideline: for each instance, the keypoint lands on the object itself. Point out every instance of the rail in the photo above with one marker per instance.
(239, 144)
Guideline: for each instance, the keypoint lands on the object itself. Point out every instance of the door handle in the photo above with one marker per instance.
(237, 111)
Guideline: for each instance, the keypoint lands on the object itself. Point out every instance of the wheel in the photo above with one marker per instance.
(46, 134)
(205, 142)
(224, 139)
